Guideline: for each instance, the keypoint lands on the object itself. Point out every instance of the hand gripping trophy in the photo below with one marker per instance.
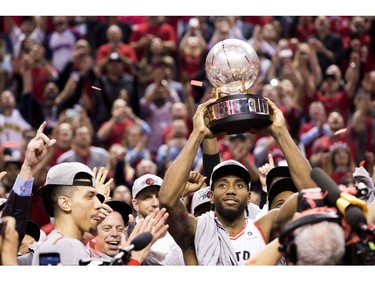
(232, 67)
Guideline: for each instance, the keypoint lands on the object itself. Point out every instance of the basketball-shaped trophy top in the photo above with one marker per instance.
(232, 66)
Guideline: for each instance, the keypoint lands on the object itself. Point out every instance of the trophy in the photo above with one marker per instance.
(232, 67)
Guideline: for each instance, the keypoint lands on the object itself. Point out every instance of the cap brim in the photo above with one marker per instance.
(230, 170)
(281, 185)
(277, 172)
(123, 208)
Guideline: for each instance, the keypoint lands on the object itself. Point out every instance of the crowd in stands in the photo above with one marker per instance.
(116, 92)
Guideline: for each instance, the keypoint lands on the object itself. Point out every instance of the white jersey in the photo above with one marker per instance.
(71, 250)
(248, 242)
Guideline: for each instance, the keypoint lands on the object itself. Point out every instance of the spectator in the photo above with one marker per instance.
(60, 43)
(321, 146)
(135, 140)
(113, 130)
(63, 134)
(111, 84)
(145, 200)
(115, 44)
(99, 35)
(304, 28)
(32, 236)
(110, 235)
(335, 95)
(340, 163)
(118, 167)
(5, 61)
(146, 167)
(46, 110)
(328, 45)
(280, 186)
(224, 29)
(362, 132)
(156, 110)
(12, 169)
(77, 77)
(316, 127)
(154, 53)
(12, 123)
(191, 51)
(201, 201)
(264, 41)
(164, 69)
(156, 26)
(41, 70)
(83, 151)
(171, 149)
(179, 110)
(30, 27)
(20, 196)
(238, 147)
(121, 193)
(306, 63)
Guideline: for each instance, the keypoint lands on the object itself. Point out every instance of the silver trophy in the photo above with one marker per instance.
(232, 67)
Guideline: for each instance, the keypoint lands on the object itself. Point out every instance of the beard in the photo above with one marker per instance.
(230, 213)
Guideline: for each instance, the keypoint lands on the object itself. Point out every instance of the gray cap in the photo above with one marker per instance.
(229, 167)
(145, 181)
(64, 174)
(200, 197)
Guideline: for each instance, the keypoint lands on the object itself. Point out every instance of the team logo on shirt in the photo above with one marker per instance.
(251, 235)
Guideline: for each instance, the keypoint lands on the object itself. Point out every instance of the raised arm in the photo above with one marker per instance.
(298, 165)
(299, 169)
(181, 224)
(19, 200)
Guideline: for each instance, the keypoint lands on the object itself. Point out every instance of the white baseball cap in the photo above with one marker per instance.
(64, 174)
(230, 167)
(145, 181)
(200, 197)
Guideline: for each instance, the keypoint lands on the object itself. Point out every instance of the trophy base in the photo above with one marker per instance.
(238, 113)
(238, 124)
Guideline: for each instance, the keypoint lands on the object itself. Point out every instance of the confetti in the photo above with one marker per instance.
(96, 88)
(362, 163)
(196, 83)
(340, 131)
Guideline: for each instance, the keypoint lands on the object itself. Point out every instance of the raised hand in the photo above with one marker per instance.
(264, 170)
(102, 187)
(38, 147)
(200, 118)
(194, 183)
(154, 223)
(8, 242)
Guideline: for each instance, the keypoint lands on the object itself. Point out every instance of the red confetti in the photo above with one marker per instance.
(362, 163)
(196, 83)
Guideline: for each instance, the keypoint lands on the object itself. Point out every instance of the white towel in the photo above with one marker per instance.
(212, 244)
